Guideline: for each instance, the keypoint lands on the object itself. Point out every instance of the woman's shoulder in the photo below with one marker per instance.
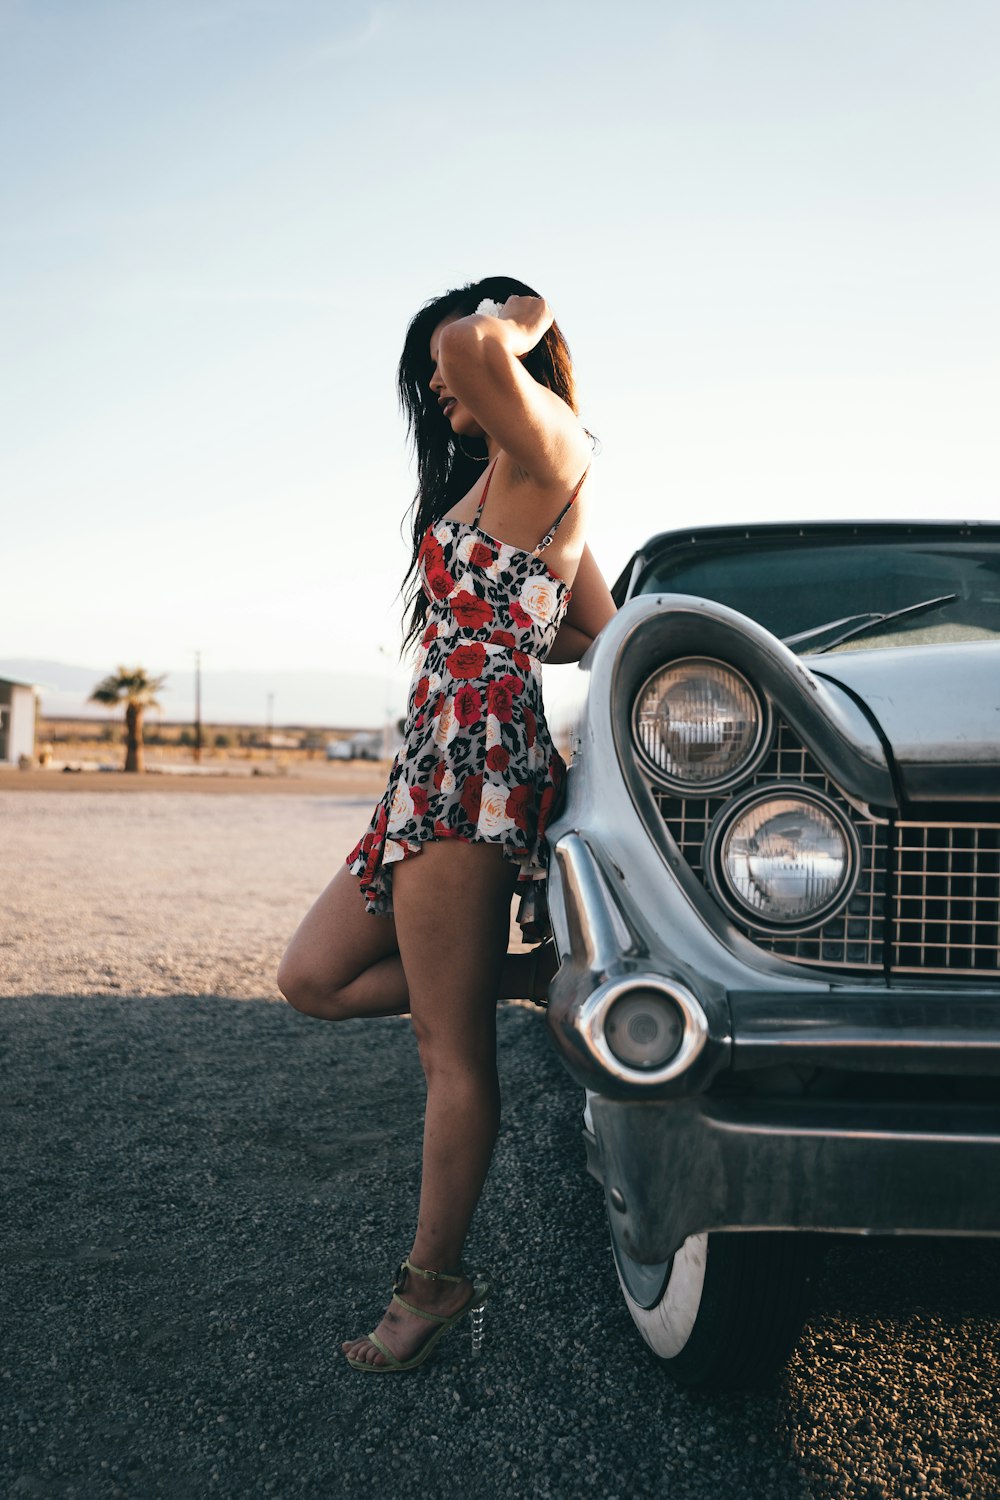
(565, 470)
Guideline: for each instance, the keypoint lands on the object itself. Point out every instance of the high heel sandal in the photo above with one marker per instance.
(474, 1307)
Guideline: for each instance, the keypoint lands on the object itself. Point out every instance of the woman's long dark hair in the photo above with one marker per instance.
(444, 472)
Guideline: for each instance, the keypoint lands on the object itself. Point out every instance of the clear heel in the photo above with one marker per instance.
(390, 1362)
(477, 1318)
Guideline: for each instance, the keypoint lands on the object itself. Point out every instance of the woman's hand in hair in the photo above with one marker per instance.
(524, 320)
(480, 361)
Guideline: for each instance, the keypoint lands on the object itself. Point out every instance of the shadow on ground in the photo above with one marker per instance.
(204, 1196)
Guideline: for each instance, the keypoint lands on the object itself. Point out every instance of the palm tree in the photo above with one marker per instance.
(137, 690)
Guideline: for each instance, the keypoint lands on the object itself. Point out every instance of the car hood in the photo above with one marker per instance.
(938, 708)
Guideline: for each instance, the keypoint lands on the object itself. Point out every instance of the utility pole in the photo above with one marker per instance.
(270, 719)
(197, 707)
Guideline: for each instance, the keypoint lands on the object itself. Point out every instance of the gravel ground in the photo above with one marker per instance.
(162, 892)
(206, 1191)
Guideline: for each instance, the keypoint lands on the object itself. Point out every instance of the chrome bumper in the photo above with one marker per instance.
(674, 1169)
(715, 1146)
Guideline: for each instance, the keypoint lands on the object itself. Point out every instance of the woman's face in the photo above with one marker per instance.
(461, 420)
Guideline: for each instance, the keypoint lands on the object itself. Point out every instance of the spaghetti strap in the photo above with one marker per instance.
(486, 490)
(546, 539)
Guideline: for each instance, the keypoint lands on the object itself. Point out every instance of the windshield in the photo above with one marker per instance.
(790, 586)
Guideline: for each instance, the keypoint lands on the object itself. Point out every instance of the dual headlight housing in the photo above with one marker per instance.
(699, 726)
(780, 857)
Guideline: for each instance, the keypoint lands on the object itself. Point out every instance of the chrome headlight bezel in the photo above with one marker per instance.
(715, 869)
(594, 1010)
(751, 760)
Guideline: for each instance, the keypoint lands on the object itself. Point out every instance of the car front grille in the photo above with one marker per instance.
(928, 894)
(947, 902)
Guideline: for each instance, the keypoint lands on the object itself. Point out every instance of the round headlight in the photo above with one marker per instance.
(783, 858)
(699, 725)
(644, 1029)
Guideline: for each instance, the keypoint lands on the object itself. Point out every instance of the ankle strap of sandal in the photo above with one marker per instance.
(407, 1265)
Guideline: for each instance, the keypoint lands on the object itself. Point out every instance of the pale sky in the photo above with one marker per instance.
(770, 232)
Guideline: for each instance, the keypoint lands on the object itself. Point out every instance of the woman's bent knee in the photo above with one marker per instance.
(292, 985)
(304, 993)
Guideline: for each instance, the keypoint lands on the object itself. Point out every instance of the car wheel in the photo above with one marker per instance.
(725, 1310)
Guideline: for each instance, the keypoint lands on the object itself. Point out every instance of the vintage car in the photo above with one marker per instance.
(774, 887)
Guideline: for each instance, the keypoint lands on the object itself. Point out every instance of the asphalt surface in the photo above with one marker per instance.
(204, 1194)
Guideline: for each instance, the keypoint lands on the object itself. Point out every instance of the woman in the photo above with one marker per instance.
(486, 381)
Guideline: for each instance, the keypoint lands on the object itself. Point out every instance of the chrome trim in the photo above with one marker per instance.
(592, 1013)
(743, 1162)
(605, 953)
(597, 928)
(759, 750)
(717, 880)
(942, 1031)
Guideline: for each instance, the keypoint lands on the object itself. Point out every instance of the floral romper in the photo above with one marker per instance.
(477, 761)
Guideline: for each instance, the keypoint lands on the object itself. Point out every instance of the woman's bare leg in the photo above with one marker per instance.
(343, 961)
(452, 923)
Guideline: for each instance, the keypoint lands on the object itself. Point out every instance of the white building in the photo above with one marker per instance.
(17, 720)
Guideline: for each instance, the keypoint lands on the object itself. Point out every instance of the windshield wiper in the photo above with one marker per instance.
(858, 624)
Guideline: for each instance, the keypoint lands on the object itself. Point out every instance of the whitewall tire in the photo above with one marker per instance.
(726, 1310)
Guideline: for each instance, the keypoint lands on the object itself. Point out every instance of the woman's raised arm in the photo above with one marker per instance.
(479, 358)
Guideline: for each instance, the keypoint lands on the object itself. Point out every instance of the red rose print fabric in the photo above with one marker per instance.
(477, 760)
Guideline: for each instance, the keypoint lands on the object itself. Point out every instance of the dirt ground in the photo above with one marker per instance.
(308, 779)
(204, 1191)
(166, 889)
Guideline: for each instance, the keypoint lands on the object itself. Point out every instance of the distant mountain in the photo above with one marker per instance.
(331, 700)
(57, 675)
